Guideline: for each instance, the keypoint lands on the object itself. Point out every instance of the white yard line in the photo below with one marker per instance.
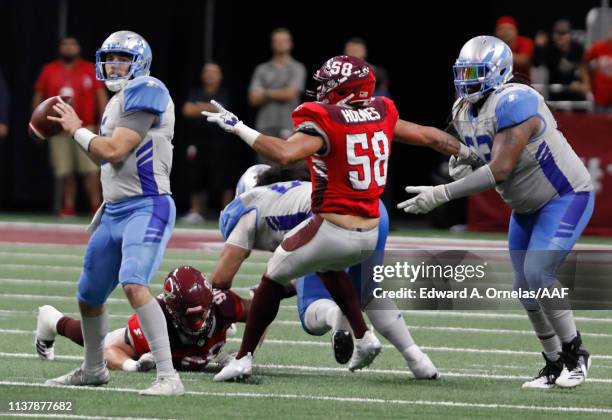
(313, 343)
(355, 400)
(436, 328)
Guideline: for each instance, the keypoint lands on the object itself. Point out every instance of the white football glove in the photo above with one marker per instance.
(428, 198)
(457, 169)
(145, 363)
(223, 118)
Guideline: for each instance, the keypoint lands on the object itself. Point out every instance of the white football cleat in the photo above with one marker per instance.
(46, 331)
(165, 385)
(365, 351)
(79, 377)
(424, 368)
(547, 376)
(576, 364)
(236, 369)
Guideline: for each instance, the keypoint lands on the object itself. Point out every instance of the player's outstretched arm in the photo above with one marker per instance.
(441, 141)
(508, 146)
(228, 265)
(296, 148)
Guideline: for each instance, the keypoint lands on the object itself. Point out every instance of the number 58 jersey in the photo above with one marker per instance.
(350, 173)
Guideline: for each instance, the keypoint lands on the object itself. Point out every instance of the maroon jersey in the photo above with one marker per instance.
(227, 309)
(350, 173)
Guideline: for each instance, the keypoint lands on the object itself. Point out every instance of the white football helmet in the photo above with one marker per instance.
(248, 180)
(484, 64)
(125, 42)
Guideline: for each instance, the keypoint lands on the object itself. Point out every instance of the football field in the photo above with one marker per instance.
(483, 356)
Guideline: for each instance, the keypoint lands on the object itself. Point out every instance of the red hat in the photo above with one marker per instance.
(506, 20)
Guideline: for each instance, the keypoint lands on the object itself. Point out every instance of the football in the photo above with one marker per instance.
(40, 128)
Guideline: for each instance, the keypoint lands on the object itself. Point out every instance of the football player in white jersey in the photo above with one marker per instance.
(131, 229)
(269, 203)
(540, 177)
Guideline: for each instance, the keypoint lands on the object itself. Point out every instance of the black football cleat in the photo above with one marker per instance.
(342, 345)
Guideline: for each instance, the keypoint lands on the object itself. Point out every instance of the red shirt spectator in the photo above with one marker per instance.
(599, 56)
(521, 46)
(77, 81)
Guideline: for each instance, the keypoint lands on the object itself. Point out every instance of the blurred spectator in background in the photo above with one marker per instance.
(522, 47)
(4, 107)
(74, 77)
(276, 87)
(561, 58)
(357, 47)
(597, 73)
(207, 158)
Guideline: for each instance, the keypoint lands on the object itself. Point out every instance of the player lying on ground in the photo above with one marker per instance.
(198, 319)
(133, 225)
(345, 137)
(269, 203)
(539, 176)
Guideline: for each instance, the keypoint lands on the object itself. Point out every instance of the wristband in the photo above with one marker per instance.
(246, 133)
(130, 365)
(83, 136)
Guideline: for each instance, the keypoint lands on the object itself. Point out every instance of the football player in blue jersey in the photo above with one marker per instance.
(538, 174)
(131, 229)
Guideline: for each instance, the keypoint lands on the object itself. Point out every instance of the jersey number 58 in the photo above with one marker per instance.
(362, 179)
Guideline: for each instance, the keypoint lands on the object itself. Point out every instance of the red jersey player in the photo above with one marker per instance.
(345, 136)
(197, 317)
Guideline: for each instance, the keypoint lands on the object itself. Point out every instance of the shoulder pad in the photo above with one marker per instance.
(308, 110)
(146, 94)
(230, 216)
(515, 106)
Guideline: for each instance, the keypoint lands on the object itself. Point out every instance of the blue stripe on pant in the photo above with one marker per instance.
(127, 247)
(310, 287)
(540, 242)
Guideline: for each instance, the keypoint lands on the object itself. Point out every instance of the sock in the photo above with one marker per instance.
(71, 329)
(315, 317)
(546, 334)
(339, 285)
(412, 354)
(94, 331)
(390, 324)
(559, 315)
(264, 308)
(323, 315)
(153, 324)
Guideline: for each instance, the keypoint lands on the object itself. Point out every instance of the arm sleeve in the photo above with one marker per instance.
(139, 121)
(243, 235)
